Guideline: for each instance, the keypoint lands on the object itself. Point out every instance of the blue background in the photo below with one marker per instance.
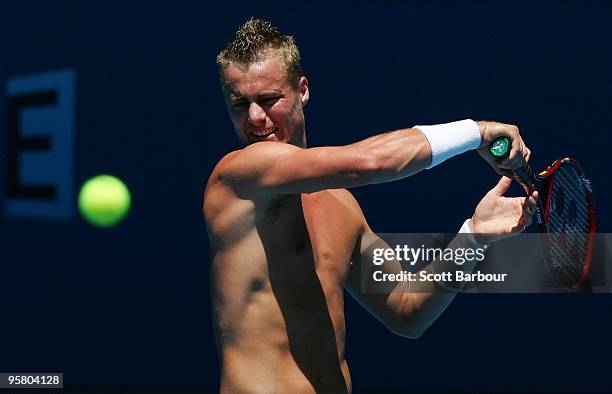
(130, 306)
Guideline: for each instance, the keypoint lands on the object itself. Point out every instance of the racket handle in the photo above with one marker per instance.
(500, 149)
(524, 176)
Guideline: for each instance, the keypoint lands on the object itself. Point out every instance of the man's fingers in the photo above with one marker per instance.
(529, 208)
(496, 167)
(528, 155)
(500, 171)
(516, 159)
(528, 212)
(519, 153)
(526, 188)
(502, 187)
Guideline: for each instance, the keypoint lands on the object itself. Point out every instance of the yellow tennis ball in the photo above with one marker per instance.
(104, 200)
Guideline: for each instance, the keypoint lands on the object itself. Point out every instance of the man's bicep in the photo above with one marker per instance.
(274, 168)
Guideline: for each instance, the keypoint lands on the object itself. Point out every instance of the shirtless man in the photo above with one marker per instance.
(287, 237)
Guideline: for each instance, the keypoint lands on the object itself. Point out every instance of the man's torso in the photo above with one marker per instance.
(278, 271)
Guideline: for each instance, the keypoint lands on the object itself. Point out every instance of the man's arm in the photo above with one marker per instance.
(269, 168)
(409, 308)
(405, 308)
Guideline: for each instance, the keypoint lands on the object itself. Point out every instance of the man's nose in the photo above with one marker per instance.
(257, 115)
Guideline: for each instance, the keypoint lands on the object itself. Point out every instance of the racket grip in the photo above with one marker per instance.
(524, 176)
(500, 148)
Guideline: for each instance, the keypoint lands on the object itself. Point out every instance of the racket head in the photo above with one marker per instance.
(569, 221)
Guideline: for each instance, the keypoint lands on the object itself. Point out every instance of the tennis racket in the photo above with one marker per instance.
(565, 212)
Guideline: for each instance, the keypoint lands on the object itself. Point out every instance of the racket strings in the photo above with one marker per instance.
(568, 224)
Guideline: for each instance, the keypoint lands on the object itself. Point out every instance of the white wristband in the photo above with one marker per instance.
(465, 229)
(450, 139)
(451, 285)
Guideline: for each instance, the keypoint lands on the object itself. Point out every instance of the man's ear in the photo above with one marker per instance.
(304, 91)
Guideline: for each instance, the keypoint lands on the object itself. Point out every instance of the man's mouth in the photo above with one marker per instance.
(264, 132)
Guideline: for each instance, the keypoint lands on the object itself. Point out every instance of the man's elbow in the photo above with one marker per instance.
(410, 333)
(407, 328)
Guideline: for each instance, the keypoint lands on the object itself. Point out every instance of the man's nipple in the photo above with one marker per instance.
(256, 285)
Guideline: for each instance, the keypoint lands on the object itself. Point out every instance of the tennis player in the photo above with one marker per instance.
(287, 237)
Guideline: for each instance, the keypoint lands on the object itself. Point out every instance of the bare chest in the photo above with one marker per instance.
(312, 228)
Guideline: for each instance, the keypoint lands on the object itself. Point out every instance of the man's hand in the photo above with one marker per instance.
(519, 153)
(497, 217)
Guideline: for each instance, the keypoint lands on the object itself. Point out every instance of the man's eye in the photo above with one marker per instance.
(237, 106)
(269, 100)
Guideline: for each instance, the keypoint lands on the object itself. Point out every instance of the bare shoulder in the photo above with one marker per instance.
(234, 178)
(242, 162)
(220, 168)
(244, 169)
(216, 192)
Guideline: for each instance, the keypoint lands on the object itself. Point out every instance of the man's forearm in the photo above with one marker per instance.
(396, 155)
(405, 152)
(425, 300)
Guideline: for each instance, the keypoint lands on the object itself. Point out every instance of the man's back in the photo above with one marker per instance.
(278, 268)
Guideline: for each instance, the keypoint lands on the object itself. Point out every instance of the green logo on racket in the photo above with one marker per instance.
(500, 148)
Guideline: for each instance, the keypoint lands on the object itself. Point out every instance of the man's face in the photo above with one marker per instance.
(262, 103)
